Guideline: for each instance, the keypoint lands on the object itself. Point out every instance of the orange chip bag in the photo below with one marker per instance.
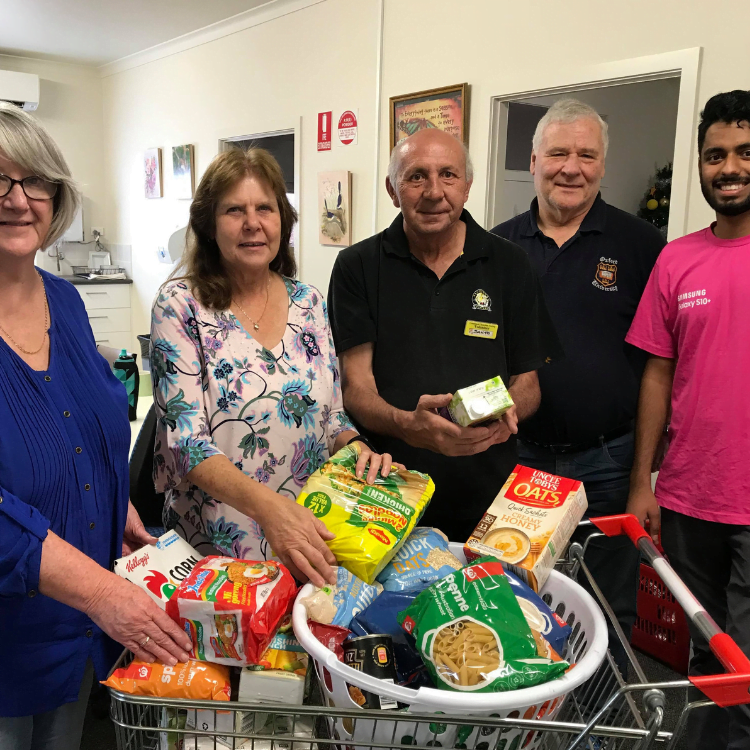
(197, 680)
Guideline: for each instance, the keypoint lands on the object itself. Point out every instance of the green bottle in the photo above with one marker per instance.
(126, 371)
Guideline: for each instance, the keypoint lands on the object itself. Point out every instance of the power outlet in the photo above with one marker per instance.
(163, 255)
(97, 231)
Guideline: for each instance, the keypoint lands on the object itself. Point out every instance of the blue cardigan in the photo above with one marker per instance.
(64, 440)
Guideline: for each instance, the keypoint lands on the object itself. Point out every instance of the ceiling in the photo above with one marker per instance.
(95, 32)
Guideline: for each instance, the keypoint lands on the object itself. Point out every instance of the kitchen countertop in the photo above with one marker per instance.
(80, 281)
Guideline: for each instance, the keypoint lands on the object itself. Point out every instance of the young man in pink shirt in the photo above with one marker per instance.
(694, 319)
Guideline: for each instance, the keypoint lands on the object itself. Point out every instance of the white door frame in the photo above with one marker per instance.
(296, 131)
(683, 64)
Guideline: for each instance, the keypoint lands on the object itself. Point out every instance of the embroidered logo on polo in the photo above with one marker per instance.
(480, 300)
(605, 277)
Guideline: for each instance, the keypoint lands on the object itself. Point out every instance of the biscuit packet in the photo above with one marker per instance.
(371, 522)
(544, 623)
(337, 605)
(423, 559)
(231, 609)
(472, 635)
(529, 524)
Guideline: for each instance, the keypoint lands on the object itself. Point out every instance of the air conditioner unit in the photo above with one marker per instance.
(21, 89)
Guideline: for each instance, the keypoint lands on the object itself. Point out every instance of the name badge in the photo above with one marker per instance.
(480, 330)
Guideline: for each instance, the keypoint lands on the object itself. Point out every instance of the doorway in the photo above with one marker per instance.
(605, 87)
(642, 119)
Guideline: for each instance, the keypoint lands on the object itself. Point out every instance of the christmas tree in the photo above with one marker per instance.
(654, 206)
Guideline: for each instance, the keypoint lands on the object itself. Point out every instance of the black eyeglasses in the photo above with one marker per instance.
(36, 188)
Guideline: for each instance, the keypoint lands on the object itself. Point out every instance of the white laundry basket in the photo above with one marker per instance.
(587, 647)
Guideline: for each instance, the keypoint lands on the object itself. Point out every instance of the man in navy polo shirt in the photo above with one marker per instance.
(593, 261)
(433, 304)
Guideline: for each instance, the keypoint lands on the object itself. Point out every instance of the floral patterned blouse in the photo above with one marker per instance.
(274, 413)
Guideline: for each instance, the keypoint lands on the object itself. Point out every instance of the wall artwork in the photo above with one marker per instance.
(152, 173)
(183, 171)
(445, 108)
(335, 208)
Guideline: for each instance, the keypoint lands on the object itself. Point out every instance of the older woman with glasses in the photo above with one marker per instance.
(64, 438)
(246, 381)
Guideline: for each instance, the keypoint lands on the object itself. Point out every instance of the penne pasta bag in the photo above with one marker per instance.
(472, 635)
(371, 522)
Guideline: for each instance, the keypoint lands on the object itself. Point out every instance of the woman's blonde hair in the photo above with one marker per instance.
(201, 264)
(26, 142)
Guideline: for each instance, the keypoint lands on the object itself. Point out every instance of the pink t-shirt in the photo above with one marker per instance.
(696, 309)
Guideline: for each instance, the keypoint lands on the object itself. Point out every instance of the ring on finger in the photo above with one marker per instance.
(143, 643)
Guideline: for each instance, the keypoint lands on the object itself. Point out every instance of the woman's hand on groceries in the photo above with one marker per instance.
(643, 505)
(377, 462)
(297, 538)
(127, 614)
(425, 428)
(135, 535)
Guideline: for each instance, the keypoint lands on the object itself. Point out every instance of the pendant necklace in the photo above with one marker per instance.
(256, 323)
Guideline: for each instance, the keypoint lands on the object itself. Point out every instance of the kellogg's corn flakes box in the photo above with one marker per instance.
(529, 523)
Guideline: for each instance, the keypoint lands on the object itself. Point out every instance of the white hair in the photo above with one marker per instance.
(26, 142)
(394, 166)
(569, 110)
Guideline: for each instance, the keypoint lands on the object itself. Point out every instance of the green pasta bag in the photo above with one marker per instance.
(472, 635)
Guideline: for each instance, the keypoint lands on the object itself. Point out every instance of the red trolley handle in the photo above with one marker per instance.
(729, 689)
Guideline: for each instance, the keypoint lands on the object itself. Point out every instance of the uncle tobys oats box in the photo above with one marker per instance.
(529, 523)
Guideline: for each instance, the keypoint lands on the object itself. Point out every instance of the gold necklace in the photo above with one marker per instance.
(46, 325)
(256, 323)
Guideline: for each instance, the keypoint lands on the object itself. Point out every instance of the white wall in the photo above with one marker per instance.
(262, 79)
(70, 106)
(641, 119)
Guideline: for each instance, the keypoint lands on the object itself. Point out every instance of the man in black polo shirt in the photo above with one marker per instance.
(593, 261)
(433, 304)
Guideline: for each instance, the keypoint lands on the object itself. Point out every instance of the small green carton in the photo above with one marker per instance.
(479, 403)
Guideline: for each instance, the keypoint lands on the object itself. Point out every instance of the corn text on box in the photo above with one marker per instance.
(529, 523)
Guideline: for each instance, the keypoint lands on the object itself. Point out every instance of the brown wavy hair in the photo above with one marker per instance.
(201, 264)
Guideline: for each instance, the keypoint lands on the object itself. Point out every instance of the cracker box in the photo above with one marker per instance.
(529, 523)
(159, 568)
(478, 403)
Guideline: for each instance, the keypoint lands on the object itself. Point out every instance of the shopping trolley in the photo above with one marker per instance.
(604, 712)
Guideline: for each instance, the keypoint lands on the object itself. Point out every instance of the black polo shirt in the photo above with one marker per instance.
(592, 286)
(381, 293)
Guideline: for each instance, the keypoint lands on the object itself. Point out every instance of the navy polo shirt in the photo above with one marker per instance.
(381, 293)
(592, 286)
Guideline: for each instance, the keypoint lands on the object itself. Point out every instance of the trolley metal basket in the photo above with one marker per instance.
(602, 712)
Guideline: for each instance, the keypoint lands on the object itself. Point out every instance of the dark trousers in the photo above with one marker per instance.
(614, 563)
(713, 559)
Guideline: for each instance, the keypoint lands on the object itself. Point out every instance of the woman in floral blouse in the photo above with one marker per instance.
(246, 381)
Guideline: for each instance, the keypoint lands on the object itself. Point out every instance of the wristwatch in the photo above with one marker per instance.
(362, 439)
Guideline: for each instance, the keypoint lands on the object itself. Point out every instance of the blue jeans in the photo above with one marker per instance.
(614, 563)
(60, 729)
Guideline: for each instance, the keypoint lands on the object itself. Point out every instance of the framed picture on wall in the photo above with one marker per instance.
(152, 173)
(183, 171)
(445, 108)
(335, 208)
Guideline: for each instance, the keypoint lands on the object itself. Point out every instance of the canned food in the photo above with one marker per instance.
(371, 655)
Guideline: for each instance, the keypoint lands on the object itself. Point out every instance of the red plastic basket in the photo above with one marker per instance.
(661, 628)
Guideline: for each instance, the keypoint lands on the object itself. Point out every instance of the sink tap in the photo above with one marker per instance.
(58, 256)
